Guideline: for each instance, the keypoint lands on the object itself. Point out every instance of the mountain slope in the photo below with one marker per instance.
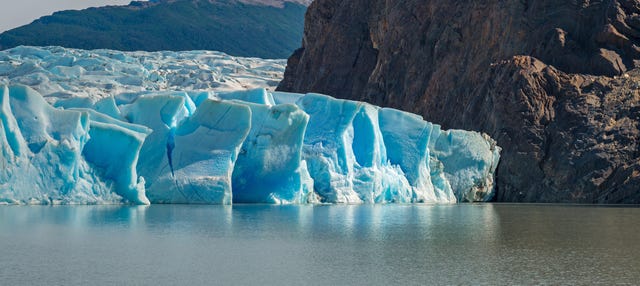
(233, 27)
(554, 82)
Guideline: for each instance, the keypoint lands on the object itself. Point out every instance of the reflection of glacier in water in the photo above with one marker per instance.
(127, 128)
(319, 245)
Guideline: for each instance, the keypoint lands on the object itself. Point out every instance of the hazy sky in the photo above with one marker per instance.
(15, 13)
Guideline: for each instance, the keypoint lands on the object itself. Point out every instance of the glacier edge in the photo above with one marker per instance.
(103, 127)
(165, 149)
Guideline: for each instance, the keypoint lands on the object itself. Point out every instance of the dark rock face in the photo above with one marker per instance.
(566, 137)
(554, 82)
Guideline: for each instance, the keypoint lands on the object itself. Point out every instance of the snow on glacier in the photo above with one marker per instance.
(79, 75)
(203, 127)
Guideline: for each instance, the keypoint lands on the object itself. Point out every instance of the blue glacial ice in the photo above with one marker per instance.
(54, 156)
(270, 168)
(98, 127)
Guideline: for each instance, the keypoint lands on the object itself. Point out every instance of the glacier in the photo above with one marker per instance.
(201, 127)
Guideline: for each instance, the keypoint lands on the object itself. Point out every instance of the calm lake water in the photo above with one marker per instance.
(324, 245)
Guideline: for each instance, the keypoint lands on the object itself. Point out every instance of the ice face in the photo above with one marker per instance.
(166, 149)
(376, 180)
(326, 150)
(346, 154)
(469, 161)
(190, 155)
(200, 155)
(113, 148)
(270, 167)
(46, 162)
(407, 137)
(132, 128)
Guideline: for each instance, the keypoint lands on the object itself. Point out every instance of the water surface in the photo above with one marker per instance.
(319, 245)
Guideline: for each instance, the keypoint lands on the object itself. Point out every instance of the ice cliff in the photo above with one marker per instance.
(181, 128)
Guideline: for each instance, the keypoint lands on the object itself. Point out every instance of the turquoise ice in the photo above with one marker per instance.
(53, 156)
(101, 127)
(163, 148)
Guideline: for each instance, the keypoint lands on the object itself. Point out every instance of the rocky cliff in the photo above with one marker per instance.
(556, 82)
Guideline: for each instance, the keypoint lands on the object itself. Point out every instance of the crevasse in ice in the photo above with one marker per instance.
(137, 141)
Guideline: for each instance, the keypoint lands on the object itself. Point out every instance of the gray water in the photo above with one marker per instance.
(319, 245)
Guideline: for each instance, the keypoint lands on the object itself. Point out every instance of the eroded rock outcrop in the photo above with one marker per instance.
(554, 82)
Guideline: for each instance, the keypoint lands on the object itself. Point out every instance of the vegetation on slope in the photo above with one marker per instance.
(229, 26)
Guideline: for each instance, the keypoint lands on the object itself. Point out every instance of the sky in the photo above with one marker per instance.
(16, 13)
